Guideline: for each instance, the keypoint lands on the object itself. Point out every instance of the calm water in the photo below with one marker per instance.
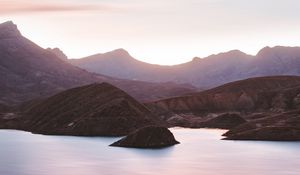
(201, 152)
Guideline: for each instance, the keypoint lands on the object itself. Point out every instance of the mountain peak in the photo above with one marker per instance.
(233, 53)
(120, 51)
(8, 30)
(118, 54)
(196, 59)
(264, 51)
(236, 52)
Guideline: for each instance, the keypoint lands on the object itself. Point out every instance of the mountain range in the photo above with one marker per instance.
(88, 103)
(28, 71)
(205, 72)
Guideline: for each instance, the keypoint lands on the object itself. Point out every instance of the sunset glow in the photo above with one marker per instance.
(160, 32)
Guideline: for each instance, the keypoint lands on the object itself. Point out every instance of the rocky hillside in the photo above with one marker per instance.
(28, 71)
(59, 53)
(265, 108)
(92, 110)
(256, 94)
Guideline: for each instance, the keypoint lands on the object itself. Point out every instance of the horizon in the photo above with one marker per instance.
(212, 54)
(156, 32)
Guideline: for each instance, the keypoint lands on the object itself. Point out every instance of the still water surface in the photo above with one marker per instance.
(201, 152)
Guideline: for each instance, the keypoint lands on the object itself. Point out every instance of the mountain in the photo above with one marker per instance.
(91, 110)
(264, 108)
(207, 72)
(28, 71)
(117, 63)
(254, 94)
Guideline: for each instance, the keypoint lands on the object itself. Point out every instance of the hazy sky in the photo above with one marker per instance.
(156, 31)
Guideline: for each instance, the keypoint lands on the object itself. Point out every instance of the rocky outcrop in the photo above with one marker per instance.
(277, 127)
(181, 121)
(9, 30)
(148, 137)
(224, 121)
(221, 121)
(270, 133)
(59, 53)
(92, 110)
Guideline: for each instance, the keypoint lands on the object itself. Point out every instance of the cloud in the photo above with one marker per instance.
(31, 6)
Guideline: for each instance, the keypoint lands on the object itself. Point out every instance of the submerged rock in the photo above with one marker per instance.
(148, 137)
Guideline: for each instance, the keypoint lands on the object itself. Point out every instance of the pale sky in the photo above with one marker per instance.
(156, 31)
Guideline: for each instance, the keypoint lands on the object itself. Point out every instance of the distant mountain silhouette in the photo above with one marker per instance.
(118, 63)
(208, 72)
(28, 71)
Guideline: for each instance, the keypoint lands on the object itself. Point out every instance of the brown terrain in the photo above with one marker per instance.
(254, 94)
(260, 107)
(92, 110)
(275, 127)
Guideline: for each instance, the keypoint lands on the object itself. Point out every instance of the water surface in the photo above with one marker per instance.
(201, 152)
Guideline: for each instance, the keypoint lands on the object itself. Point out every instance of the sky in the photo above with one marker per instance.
(164, 32)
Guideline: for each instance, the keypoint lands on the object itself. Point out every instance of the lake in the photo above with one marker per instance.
(201, 152)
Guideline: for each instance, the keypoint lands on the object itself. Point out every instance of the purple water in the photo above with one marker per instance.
(201, 152)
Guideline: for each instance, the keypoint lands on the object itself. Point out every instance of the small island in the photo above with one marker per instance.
(148, 137)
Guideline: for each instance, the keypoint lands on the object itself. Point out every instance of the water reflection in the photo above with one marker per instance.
(201, 152)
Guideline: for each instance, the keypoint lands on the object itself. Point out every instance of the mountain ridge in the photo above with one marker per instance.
(208, 72)
(28, 71)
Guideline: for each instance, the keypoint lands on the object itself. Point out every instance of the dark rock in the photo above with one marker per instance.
(269, 134)
(250, 95)
(92, 110)
(178, 120)
(148, 137)
(224, 121)
(3, 108)
(284, 127)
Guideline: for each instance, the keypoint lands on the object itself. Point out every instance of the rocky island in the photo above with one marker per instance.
(148, 137)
